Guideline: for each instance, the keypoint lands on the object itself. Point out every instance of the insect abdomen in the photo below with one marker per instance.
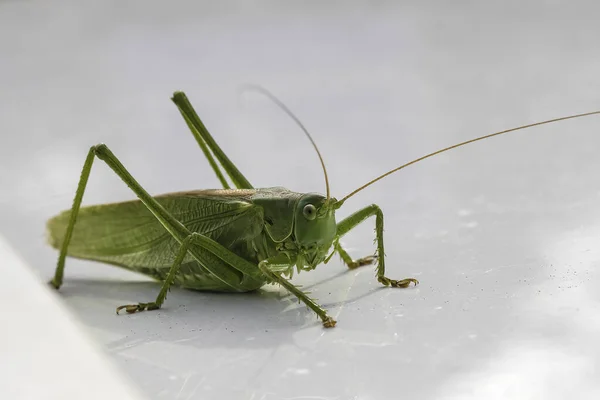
(129, 235)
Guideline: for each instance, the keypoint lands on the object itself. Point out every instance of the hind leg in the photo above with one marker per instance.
(226, 273)
(208, 145)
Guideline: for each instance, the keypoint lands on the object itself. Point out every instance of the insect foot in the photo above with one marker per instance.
(403, 283)
(53, 284)
(329, 322)
(131, 308)
(361, 262)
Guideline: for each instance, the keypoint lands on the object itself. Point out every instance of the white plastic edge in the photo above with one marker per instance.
(44, 354)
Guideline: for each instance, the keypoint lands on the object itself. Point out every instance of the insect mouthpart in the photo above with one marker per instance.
(312, 255)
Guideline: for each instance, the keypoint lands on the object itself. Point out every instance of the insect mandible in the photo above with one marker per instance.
(230, 239)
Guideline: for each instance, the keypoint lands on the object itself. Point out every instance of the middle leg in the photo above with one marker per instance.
(272, 269)
(193, 239)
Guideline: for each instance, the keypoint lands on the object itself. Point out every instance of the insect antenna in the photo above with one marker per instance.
(280, 104)
(340, 202)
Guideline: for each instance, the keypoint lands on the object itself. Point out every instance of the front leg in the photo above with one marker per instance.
(350, 263)
(273, 267)
(353, 220)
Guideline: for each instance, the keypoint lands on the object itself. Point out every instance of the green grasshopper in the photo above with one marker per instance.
(227, 240)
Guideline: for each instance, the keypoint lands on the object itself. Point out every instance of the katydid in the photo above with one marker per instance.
(228, 240)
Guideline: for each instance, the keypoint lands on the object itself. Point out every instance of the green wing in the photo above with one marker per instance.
(128, 235)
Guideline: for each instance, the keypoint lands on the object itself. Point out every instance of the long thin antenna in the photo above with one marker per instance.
(340, 202)
(280, 104)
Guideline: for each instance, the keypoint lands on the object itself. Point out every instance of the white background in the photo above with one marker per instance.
(503, 234)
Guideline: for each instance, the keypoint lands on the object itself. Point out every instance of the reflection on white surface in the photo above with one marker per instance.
(530, 370)
(555, 355)
(502, 235)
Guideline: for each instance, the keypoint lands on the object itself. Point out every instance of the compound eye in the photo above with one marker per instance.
(310, 212)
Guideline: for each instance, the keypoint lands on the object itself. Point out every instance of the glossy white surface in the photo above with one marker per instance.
(44, 353)
(503, 235)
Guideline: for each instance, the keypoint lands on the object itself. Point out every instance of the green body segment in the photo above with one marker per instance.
(255, 224)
